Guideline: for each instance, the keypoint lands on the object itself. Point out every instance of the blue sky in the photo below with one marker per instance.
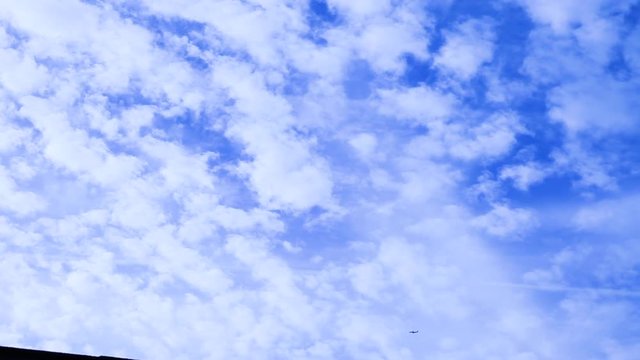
(265, 179)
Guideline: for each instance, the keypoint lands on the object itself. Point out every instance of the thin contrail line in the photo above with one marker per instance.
(573, 289)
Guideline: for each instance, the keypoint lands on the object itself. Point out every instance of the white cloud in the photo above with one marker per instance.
(422, 105)
(384, 44)
(610, 216)
(593, 170)
(16, 200)
(362, 8)
(561, 15)
(524, 175)
(553, 58)
(14, 136)
(72, 149)
(594, 280)
(284, 172)
(381, 34)
(25, 76)
(568, 15)
(179, 169)
(364, 144)
(597, 106)
(506, 222)
(11, 234)
(595, 310)
(260, 28)
(466, 48)
(424, 181)
(491, 138)
(581, 36)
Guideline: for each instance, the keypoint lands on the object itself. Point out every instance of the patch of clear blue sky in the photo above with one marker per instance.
(358, 80)
(319, 17)
(195, 133)
(320, 13)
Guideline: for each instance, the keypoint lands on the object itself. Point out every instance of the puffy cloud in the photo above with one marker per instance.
(15, 136)
(261, 28)
(568, 15)
(382, 34)
(561, 15)
(284, 172)
(525, 175)
(26, 75)
(17, 200)
(505, 222)
(72, 149)
(364, 144)
(466, 48)
(361, 8)
(491, 138)
(602, 109)
(384, 44)
(422, 105)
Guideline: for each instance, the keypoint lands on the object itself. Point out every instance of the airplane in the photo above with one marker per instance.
(413, 331)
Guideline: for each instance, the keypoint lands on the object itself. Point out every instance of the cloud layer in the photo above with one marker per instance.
(264, 179)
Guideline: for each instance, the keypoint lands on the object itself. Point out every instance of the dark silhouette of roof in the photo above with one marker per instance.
(11, 353)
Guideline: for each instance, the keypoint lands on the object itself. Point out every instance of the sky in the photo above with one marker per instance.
(313, 179)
